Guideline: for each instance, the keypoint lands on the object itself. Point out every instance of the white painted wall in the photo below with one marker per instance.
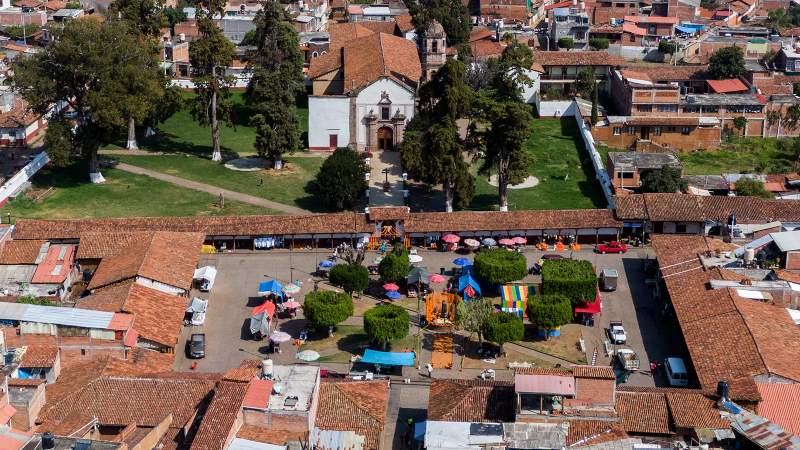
(328, 115)
(531, 92)
(165, 288)
(555, 108)
(369, 98)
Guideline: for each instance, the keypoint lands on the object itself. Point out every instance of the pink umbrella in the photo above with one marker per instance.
(451, 238)
(291, 305)
(391, 287)
(506, 241)
(520, 240)
(436, 278)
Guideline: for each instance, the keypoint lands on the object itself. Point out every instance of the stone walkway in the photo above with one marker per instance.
(380, 161)
(213, 190)
(127, 152)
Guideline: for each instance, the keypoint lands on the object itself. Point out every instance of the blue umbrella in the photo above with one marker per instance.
(270, 286)
(394, 295)
(326, 264)
(462, 262)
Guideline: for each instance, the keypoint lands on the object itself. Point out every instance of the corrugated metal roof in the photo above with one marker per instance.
(786, 240)
(544, 384)
(781, 404)
(73, 317)
(245, 444)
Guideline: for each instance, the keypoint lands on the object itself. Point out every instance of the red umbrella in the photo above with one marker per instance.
(269, 307)
(436, 278)
(391, 287)
(506, 241)
(520, 240)
(451, 238)
(469, 291)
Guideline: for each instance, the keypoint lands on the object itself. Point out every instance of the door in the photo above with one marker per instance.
(645, 132)
(333, 141)
(385, 138)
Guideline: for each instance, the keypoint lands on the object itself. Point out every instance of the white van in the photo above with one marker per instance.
(676, 372)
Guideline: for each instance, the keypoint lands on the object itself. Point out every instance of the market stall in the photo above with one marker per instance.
(514, 298)
(440, 308)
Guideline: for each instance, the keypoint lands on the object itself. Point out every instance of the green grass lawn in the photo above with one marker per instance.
(565, 173)
(762, 155)
(289, 186)
(350, 340)
(122, 195)
(181, 133)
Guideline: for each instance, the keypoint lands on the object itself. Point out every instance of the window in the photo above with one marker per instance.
(657, 131)
(625, 175)
(667, 108)
(435, 46)
(671, 129)
(644, 108)
(580, 35)
(685, 130)
(385, 113)
(617, 131)
(631, 130)
(680, 228)
(651, 29)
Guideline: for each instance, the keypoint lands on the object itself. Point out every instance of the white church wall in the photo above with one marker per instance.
(328, 115)
(370, 97)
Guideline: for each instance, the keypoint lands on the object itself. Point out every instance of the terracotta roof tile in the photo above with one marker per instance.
(20, 252)
(695, 410)
(103, 245)
(776, 336)
(781, 404)
(694, 208)
(486, 49)
(39, 356)
(512, 220)
(591, 432)
(542, 371)
(26, 381)
(404, 23)
(217, 425)
(643, 412)
(579, 58)
(389, 213)
(354, 406)
(343, 32)
(600, 372)
(480, 33)
(471, 401)
(267, 435)
(662, 73)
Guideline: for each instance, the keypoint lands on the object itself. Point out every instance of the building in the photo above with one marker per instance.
(646, 30)
(432, 49)
(37, 268)
(571, 23)
(363, 93)
(561, 69)
(18, 126)
(788, 60)
(627, 169)
(351, 411)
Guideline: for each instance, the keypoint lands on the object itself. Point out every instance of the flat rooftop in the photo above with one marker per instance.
(639, 160)
(721, 99)
(293, 387)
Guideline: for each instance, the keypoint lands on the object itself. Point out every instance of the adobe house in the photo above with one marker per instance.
(626, 169)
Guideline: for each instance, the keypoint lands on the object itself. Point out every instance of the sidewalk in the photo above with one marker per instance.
(386, 160)
(213, 190)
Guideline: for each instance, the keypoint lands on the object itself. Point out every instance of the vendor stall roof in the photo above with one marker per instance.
(544, 384)
(388, 358)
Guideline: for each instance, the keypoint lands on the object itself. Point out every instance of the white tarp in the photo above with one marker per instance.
(206, 273)
(197, 305)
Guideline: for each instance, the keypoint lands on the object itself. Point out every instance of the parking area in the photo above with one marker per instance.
(234, 294)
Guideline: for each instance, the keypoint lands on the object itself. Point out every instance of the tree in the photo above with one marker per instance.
(432, 149)
(472, 316)
(777, 19)
(567, 43)
(327, 308)
(727, 62)
(666, 179)
(740, 123)
(504, 327)
(710, 5)
(585, 82)
(350, 277)
(73, 5)
(499, 266)
(95, 67)
(395, 265)
(453, 15)
(340, 182)
(210, 55)
(595, 101)
(16, 32)
(277, 81)
(385, 323)
(548, 312)
(144, 15)
(748, 187)
(173, 16)
(667, 47)
(598, 43)
(569, 278)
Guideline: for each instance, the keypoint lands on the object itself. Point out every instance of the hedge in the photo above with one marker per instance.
(350, 277)
(573, 279)
(504, 327)
(500, 266)
(386, 323)
(547, 312)
(327, 308)
(394, 266)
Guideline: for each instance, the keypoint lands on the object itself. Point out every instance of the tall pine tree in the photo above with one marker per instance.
(276, 83)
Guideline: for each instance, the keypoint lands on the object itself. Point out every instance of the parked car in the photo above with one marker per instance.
(616, 332)
(197, 345)
(627, 359)
(608, 279)
(612, 247)
(676, 372)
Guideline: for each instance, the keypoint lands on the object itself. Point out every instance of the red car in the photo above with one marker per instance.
(612, 247)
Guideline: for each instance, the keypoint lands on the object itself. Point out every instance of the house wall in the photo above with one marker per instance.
(15, 17)
(618, 181)
(531, 92)
(678, 227)
(159, 286)
(25, 417)
(292, 422)
(793, 260)
(328, 115)
(369, 97)
(672, 137)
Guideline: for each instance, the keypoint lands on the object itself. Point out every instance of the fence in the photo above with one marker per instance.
(15, 182)
(594, 155)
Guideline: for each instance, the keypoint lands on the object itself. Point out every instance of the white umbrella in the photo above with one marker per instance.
(413, 259)
(307, 355)
(489, 241)
(291, 288)
(280, 337)
(377, 260)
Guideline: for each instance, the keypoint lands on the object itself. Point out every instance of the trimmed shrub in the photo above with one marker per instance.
(327, 308)
(570, 278)
(598, 43)
(395, 265)
(504, 327)
(500, 266)
(547, 312)
(566, 42)
(386, 322)
(350, 277)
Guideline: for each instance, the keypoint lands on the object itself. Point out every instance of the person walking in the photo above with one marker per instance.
(430, 370)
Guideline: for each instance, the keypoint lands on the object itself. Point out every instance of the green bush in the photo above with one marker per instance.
(573, 279)
(395, 265)
(748, 187)
(327, 308)
(504, 327)
(598, 43)
(386, 322)
(566, 42)
(667, 47)
(547, 312)
(340, 183)
(500, 266)
(350, 277)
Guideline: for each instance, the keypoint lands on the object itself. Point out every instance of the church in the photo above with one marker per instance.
(364, 87)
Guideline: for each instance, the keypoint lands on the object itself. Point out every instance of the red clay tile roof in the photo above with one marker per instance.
(268, 435)
(643, 412)
(600, 372)
(166, 257)
(39, 356)
(781, 404)
(343, 32)
(20, 252)
(471, 401)
(664, 73)
(388, 213)
(695, 208)
(579, 58)
(776, 336)
(103, 245)
(590, 432)
(512, 220)
(634, 29)
(258, 393)
(559, 372)
(480, 33)
(56, 265)
(19, 116)
(404, 23)
(726, 86)
(26, 381)
(354, 406)
(695, 410)
(216, 429)
(486, 49)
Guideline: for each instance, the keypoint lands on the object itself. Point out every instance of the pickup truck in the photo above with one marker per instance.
(627, 359)
(616, 332)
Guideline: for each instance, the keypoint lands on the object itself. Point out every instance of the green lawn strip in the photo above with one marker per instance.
(349, 340)
(565, 173)
(122, 195)
(290, 187)
(181, 133)
(742, 156)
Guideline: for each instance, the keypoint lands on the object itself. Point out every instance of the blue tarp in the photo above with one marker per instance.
(686, 30)
(467, 280)
(268, 286)
(388, 358)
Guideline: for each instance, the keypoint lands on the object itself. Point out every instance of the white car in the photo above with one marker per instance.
(616, 332)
